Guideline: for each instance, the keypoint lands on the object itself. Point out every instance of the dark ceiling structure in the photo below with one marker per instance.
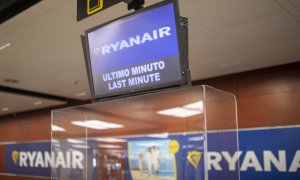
(10, 8)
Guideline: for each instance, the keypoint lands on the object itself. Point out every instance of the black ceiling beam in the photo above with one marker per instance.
(10, 8)
(36, 94)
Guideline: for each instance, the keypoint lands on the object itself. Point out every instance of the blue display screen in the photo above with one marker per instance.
(134, 53)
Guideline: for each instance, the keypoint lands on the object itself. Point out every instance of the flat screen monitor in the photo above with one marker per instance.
(135, 53)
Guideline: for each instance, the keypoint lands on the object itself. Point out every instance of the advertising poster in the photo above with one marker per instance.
(151, 159)
(174, 157)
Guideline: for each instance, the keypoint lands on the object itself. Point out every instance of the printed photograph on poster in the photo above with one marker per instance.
(151, 159)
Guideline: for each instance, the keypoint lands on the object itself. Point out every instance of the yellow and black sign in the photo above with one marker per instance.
(86, 8)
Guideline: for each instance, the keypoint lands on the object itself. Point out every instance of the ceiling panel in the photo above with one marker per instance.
(225, 15)
(296, 4)
(265, 33)
(18, 103)
(225, 37)
(206, 44)
(220, 65)
(50, 60)
(280, 53)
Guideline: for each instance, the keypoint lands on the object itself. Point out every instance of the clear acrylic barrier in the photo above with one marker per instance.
(221, 127)
(68, 146)
(176, 134)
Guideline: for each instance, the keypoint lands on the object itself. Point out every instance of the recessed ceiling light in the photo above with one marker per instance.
(5, 46)
(10, 80)
(97, 124)
(79, 146)
(5, 109)
(75, 141)
(109, 146)
(111, 140)
(161, 135)
(185, 111)
(80, 94)
(37, 103)
(171, 111)
(179, 112)
(85, 124)
(195, 106)
(57, 128)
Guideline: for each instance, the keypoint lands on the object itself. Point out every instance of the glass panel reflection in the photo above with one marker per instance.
(174, 134)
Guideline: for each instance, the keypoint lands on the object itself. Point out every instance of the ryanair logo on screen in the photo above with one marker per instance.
(94, 6)
(136, 40)
(45, 159)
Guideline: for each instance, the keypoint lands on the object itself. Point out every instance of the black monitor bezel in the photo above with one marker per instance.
(184, 79)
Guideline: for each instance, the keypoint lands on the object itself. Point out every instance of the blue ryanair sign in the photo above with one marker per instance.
(31, 159)
(270, 154)
(36, 159)
(264, 154)
(43, 159)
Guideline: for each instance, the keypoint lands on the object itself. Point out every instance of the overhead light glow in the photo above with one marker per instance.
(5, 109)
(75, 141)
(109, 146)
(57, 128)
(88, 125)
(5, 46)
(187, 113)
(116, 151)
(161, 135)
(184, 111)
(179, 112)
(79, 146)
(97, 124)
(80, 94)
(196, 106)
(54, 141)
(111, 140)
(171, 111)
(37, 103)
